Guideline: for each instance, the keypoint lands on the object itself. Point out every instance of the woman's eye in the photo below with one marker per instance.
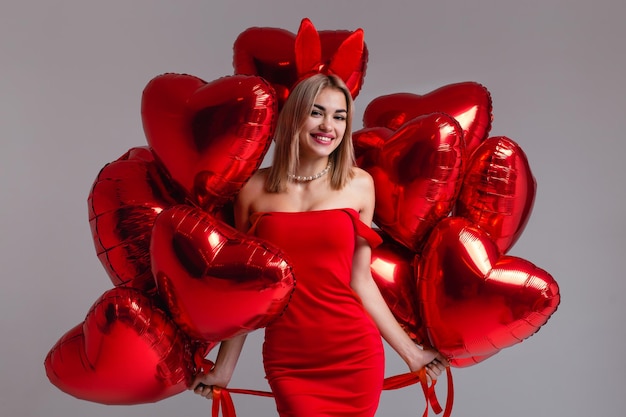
(316, 113)
(342, 118)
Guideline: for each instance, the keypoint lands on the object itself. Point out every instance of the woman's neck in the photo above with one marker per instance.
(311, 172)
(310, 169)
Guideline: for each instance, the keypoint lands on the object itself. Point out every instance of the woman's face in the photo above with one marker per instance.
(325, 126)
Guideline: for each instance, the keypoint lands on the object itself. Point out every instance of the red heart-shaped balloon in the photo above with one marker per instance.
(468, 102)
(417, 174)
(475, 301)
(124, 201)
(210, 137)
(217, 281)
(368, 141)
(498, 191)
(274, 53)
(127, 351)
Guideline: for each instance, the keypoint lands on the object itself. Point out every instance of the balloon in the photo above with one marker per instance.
(498, 191)
(393, 271)
(283, 58)
(475, 301)
(368, 141)
(210, 137)
(127, 351)
(417, 174)
(124, 201)
(468, 102)
(216, 281)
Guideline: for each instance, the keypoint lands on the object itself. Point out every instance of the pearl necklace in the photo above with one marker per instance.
(298, 178)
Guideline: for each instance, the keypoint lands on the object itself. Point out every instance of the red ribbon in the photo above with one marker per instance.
(224, 402)
(410, 378)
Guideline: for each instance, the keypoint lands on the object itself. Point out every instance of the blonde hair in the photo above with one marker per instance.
(291, 120)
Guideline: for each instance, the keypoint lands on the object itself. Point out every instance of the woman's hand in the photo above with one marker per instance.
(203, 383)
(432, 361)
(222, 371)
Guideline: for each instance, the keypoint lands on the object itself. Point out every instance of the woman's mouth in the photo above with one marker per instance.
(323, 139)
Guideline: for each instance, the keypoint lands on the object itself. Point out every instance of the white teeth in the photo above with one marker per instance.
(322, 138)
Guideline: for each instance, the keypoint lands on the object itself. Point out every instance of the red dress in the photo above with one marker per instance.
(324, 356)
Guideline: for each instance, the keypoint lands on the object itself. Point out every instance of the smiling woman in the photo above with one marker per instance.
(319, 117)
(324, 354)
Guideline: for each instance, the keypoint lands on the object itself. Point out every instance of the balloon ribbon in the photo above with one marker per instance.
(224, 402)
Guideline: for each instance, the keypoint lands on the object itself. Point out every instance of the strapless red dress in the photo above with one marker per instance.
(324, 355)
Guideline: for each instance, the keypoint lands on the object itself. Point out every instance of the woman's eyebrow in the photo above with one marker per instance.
(322, 108)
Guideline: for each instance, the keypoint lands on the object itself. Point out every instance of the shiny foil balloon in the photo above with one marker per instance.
(124, 201)
(127, 351)
(468, 102)
(417, 175)
(475, 301)
(393, 271)
(216, 281)
(368, 142)
(210, 137)
(283, 58)
(498, 191)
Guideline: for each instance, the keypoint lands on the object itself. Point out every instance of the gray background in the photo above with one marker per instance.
(71, 79)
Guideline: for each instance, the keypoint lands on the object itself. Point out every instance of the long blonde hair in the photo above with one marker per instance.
(290, 122)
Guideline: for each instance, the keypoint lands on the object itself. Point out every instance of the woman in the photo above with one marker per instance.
(324, 355)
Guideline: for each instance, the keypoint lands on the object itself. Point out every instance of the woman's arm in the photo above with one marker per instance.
(222, 372)
(365, 287)
(363, 284)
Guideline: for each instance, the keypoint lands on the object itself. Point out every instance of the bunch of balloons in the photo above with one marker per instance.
(450, 203)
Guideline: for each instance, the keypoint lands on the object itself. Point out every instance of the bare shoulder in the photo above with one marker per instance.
(362, 193)
(248, 194)
(362, 180)
(254, 186)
